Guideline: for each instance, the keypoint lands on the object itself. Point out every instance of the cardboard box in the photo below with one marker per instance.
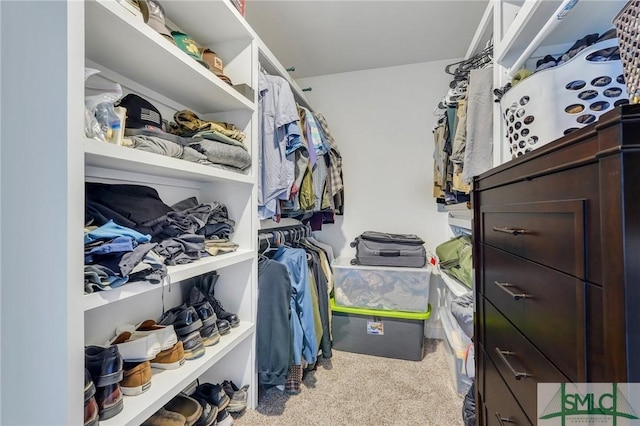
(380, 333)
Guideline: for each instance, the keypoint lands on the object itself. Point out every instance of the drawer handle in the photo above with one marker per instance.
(512, 231)
(503, 420)
(516, 374)
(503, 286)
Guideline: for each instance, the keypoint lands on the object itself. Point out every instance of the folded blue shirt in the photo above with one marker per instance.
(111, 230)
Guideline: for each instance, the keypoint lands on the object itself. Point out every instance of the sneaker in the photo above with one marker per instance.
(237, 395)
(191, 388)
(209, 413)
(193, 346)
(184, 318)
(213, 394)
(224, 418)
(170, 359)
(209, 331)
(104, 364)
(109, 399)
(137, 378)
(187, 406)
(131, 349)
(165, 333)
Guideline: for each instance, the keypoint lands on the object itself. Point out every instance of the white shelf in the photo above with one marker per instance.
(102, 154)
(208, 22)
(117, 40)
(165, 384)
(271, 65)
(584, 18)
(175, 273)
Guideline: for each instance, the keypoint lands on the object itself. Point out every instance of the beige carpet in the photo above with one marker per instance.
(354, 389)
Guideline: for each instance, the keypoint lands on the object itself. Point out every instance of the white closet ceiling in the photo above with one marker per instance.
(320, 37)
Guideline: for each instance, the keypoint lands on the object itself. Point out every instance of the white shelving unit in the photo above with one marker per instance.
(129, 52)
(526, 30)
(46, 320)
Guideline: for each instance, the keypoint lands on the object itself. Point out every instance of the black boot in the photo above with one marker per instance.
(198, 300)
(208, 289)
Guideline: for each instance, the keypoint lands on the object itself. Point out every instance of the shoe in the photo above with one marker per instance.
(237, 395)
(165, 333)
(136, 350)
(191, 388)
(213, 394)
(207, 287)
(209, 331)
(109, 399)
(169, 359)
(187, 406)
(206, 313)
(91, 415)
(163, 417)
(209, 413)
(137, 378)
(193, 346)
(224, 418)
(224, 327)
(210, 335)
(104, 364)
(184, 318)
(197, 298)
(89, 387)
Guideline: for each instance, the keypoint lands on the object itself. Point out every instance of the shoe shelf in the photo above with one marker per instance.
(121, 158)
(175, 274)
(165, 384)
(117, 40)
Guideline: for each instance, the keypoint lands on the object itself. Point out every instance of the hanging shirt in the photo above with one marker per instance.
(279, 138)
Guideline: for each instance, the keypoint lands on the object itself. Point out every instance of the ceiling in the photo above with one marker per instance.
(320, 37)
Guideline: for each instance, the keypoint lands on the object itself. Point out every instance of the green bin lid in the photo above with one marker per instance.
(380, 312)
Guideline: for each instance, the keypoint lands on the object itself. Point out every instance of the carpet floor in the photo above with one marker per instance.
(354, 389)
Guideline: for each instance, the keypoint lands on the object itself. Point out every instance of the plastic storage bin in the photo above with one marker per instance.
(388, 334)
(381, 287)
(554, 102)
(456, 343)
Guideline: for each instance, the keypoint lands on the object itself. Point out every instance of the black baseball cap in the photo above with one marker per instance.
(141, 114)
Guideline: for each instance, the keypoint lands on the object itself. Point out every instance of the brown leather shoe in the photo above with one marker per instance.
(109, 399)
(169, 359)
(91, 412)
(137, 378)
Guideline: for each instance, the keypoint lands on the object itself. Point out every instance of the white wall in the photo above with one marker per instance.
(382, 121)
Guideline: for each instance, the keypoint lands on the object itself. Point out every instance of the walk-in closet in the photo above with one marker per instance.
(257, 212)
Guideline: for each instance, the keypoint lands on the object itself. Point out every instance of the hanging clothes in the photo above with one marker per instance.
(273, 326)
(279, 138)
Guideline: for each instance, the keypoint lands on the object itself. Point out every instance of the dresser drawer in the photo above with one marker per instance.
(520, 364)
(548, 232)
(547, 306)
(500, 406)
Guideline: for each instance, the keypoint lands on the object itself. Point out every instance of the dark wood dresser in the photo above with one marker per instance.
(557, 266)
